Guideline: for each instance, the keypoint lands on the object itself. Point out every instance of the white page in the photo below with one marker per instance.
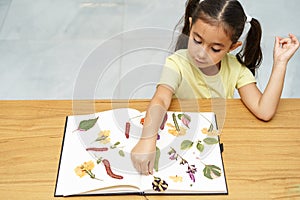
(210, 155)
(74, 154)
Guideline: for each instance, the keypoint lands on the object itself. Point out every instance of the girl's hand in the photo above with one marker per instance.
(285, 48)
(143, 156)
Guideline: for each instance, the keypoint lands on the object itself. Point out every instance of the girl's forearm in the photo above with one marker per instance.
(153, 119)
(269, 100)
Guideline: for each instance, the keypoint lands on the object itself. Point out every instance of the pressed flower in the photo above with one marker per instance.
(79, 171)
(210, 132)
(183, 162)
(85, 168)
(103, 137)
(191, 171)
(159, 185)
(176, 178)
(172, 130)
(185, 119)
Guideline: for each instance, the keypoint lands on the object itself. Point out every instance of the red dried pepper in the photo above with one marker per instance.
(108, 170)
(127, 129)
(97, 149)
(142, 121)
(162, 126)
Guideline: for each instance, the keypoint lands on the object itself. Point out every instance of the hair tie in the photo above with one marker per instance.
(249, 18)
(247, 27)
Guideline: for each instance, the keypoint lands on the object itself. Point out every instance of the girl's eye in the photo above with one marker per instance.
(197, 42)
(216, 50)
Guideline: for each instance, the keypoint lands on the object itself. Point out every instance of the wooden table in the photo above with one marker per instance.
(261, 159)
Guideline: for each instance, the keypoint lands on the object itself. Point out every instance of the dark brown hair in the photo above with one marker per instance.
(231, 16)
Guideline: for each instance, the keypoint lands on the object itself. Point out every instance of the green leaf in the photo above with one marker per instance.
(157, 156)
(115, 145)
(210, 140)
(200, 146)
(175, 122)
(179, 116)
(99, 160)
(211, 128)
(87, 124)
(211, 171)
(102, 137)
(121, 153)
(186, 144)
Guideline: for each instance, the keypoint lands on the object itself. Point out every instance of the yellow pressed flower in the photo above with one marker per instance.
(173, 130)
(204, 131)
(211, 132)
(84, 168)
(88, 165)
(176, 178)
(105, 132)
(79, 172)
(103, 137)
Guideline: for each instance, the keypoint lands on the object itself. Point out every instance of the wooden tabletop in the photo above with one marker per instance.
(261, 159)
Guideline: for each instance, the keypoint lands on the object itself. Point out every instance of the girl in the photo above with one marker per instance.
(211, 30)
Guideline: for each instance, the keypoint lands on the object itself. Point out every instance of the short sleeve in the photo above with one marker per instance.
(171, 75)
(245, 77)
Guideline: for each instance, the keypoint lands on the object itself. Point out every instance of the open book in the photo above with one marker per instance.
(95, 155)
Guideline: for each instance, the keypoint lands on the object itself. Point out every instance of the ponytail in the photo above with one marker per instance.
(183, 38)
(251, 54)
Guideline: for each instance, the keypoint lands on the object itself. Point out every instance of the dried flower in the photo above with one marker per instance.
(85, 168)
(176, 178)
(159, 185)
(191, 171)
(103, 137)
(185, 119)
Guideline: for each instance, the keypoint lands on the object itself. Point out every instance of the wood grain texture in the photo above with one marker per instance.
(262, 159)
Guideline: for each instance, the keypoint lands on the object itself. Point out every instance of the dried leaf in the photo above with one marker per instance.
(211, 127)
(156, 161)
(87, 124)
(212, 171)
(186, 144)
(175, 122)
(200, 146)
(211, 140)
(121, 153)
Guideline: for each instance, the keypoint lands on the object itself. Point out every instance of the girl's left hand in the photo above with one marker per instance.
(285, 48)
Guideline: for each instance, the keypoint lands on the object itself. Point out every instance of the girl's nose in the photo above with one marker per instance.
(201, 53)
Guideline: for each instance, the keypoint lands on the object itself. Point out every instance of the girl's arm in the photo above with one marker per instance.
(264, 105)
(143, 154)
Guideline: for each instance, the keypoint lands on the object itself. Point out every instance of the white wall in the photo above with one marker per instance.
(65, 49)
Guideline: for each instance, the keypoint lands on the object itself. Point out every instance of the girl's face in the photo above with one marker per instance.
(208, 45)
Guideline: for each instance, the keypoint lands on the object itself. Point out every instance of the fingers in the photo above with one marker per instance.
(294, 39)
(287, 42)
(145, 168)
(151, 166)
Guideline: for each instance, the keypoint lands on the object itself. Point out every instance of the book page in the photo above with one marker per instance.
(190, 160)
(100, 156)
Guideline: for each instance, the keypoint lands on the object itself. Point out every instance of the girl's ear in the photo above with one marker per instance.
(190, 22)
(235, 45)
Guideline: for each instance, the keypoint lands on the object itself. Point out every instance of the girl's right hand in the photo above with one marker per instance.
(143, 155)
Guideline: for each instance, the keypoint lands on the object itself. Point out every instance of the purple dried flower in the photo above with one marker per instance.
(191, 171)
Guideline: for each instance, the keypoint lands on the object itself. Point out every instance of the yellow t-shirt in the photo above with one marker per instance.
(188, 82)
